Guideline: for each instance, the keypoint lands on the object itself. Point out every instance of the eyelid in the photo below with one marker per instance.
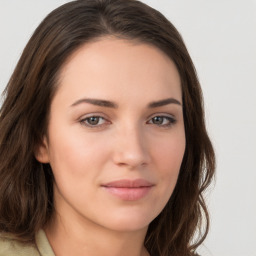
(162, 114)
(96, 114)
(82, 120)
(171, 117)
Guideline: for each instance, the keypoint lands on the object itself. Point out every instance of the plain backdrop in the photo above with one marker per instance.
(221, 38)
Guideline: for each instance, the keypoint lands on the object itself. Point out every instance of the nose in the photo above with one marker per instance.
(131, 148)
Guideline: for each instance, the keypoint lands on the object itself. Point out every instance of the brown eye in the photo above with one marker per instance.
(93, 121)
(164, 121)
(158, 120)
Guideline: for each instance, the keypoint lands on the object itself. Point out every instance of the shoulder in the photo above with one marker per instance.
(9, 246)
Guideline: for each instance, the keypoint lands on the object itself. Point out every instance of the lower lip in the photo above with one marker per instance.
(129, 194)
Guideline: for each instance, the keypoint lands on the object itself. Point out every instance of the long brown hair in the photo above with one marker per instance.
(26, 186)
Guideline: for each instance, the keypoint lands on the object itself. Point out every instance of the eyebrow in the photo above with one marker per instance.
(97, 102)
(164, 102)
(110, 104)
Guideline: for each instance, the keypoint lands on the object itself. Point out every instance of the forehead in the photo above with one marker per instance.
(111, 67)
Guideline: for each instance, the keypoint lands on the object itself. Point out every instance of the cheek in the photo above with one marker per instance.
(75, 161)
(170, 150)
(168, 158)
(74, 153)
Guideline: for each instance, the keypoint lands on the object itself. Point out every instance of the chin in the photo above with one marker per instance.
(129, 221)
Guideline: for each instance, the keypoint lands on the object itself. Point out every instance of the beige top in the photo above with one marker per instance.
(11, 247)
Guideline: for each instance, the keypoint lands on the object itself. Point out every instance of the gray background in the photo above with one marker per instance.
(221, 38)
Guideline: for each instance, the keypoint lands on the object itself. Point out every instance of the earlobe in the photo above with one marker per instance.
(42, 152)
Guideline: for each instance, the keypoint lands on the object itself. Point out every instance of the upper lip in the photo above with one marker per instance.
(126, 183)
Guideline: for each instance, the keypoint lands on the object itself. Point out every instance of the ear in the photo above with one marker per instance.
(42, 151)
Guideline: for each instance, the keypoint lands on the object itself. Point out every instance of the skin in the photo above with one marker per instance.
(129, 140)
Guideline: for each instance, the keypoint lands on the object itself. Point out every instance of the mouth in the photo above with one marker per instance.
(129, 190)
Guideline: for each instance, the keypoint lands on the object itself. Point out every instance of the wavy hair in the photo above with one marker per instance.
(26, 186)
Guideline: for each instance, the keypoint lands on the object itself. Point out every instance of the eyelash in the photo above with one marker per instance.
(84, 121)
(170, 121)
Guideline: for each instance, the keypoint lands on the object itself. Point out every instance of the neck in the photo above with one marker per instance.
(69, 236)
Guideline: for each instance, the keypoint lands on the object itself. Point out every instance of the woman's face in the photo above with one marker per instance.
(116, 134)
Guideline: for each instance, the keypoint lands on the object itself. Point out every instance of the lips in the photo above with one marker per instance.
(128, 190)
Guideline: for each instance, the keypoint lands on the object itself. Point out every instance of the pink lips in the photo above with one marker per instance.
(129, 190)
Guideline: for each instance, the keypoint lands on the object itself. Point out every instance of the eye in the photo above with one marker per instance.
(94, 121)
(164, 121)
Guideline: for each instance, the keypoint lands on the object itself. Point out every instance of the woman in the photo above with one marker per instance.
(103, 146)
